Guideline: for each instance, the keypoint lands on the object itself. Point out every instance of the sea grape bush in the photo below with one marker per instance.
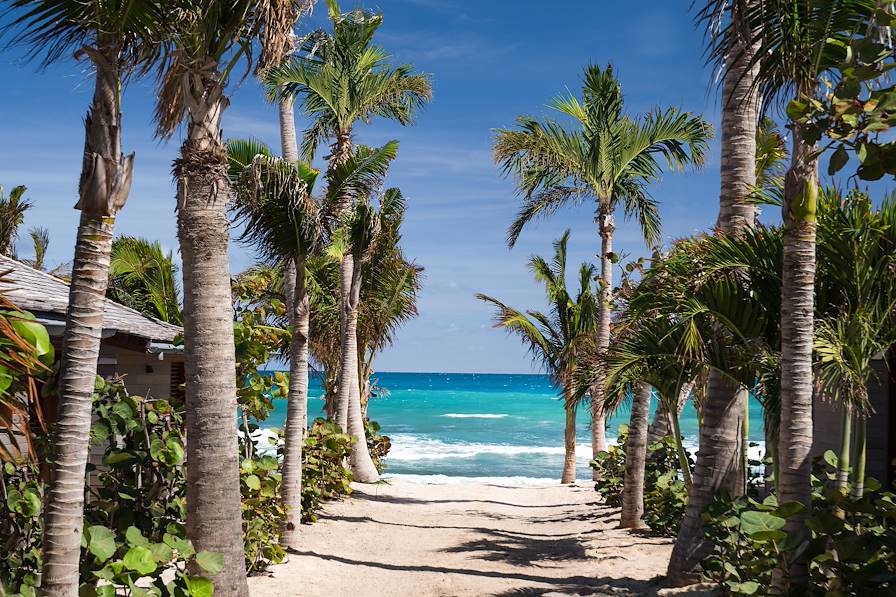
(324, 476)
(851, 547)
(378, 444)
(665, 494)
(21, 527)
(262, 509)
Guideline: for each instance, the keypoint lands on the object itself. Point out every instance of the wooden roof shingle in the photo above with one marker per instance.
(39, 292)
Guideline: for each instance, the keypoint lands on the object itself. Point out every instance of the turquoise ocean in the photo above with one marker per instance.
(455, 427)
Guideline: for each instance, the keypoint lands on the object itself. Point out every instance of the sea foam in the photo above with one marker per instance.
(450, 480)
(408, 447)
(474, 416)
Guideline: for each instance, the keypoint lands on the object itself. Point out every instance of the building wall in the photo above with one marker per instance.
(828, 418)
(144, 374)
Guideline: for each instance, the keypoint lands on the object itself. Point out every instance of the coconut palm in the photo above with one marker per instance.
(213, 38)
(609, 158)
(340, 78)
(273, 199)
(40, 242)
(560, 340)
(796, 42)
(12, 215)
(118, 39)
(144, 277)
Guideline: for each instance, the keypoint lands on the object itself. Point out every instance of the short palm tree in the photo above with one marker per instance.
(341, 78)
(12, 215)
(144, 277)
(40, 243)
(561, 339)
(609, 158)
(273, 199)
(119, 38)
(212, 39)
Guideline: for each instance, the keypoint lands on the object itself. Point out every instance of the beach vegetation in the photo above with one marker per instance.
(561, 339)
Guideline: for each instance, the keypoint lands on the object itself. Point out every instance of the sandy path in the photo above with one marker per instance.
(414, 540)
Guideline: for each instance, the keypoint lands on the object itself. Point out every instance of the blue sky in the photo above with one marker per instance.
(490, 61)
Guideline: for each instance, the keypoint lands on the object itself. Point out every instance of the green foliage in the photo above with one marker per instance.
(263, 511)
(377, 444)
(142, 480)
(610, 468)
(144, 277)
(21, 527)
(324, 477)
(665, 494)
(851, 546)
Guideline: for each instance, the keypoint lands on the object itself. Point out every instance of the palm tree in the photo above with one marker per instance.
(144, 277)
(12, 215)
(273, 199)
(119, 39)
(40, 242)
(796, 42)
(212, 39)
(610, 158)
(720, 461)
(341, 78)
(561, 339)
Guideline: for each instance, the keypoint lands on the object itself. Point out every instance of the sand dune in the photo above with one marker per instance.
(406, 539)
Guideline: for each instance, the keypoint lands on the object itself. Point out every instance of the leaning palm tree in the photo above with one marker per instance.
(12, 215)
(213, 38)
(273, 199)
(561, 339)
(119, 39)
(341, 78)
(796, 43)
(609, 158)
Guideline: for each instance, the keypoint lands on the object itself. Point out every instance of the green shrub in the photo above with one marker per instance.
(263, 512)
(851, 545)
(610, 468)
(378, 444)
(324, 475)
(21, 526)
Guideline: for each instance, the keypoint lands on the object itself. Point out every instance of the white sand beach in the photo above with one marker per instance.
(405, 539)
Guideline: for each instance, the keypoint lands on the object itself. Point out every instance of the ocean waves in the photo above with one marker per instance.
(413, 448)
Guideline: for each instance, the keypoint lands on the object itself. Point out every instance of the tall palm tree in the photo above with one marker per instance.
(720, 460)
(213, 38)
(561, 339)
(608, 157)
(12, 215)
(144, 277)
(341, 78)
(119, 39)
(273, 199)
(796, 42)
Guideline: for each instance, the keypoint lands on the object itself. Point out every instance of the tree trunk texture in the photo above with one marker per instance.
(348, 362)
(606, 226)
(660, 426)
(296, 413)
(635, 460)
(719, 458)
(569, 436)
(363, 469)
(797, 329)
(104, 186)
(213, 482)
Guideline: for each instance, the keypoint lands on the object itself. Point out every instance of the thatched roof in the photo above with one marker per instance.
(45, 295)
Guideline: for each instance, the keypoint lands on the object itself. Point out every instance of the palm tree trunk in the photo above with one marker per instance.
(348, 362)
(635, 460)
(660, 426)
(606, 227)
(797, 329)
(213, 482)
(296, 414)
(861, 449)
(845, 446)
(363, 469)
(104, 186)
(719, 458)
(569, 437)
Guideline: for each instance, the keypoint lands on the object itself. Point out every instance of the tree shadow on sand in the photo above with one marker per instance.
(392, 499)
(574, 585)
